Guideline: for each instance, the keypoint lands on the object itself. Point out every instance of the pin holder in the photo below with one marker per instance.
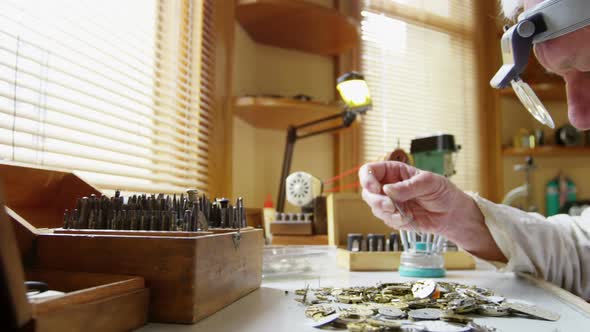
(348, 215)
(292, 224)
(373, 243)
(422, 256)
(294, 217)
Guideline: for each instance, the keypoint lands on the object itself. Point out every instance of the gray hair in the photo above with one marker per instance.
(510, 8)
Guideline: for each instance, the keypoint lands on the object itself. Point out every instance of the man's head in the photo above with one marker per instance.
(567, 56)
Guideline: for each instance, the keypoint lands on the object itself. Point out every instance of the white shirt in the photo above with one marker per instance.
(556, 249)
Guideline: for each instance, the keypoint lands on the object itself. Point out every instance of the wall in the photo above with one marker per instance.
(258, 153)
(575, 167)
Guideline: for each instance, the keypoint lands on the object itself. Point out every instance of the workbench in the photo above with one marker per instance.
(270, 308)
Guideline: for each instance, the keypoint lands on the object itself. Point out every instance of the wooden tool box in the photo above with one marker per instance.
(190, 275)
(348, 213)
(92, 302)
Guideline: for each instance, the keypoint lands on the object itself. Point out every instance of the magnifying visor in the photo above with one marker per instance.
(548, 20)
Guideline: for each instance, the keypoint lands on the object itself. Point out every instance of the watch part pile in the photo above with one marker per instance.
(423, 305)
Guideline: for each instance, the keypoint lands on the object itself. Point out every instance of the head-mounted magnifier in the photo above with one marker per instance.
(548, 20)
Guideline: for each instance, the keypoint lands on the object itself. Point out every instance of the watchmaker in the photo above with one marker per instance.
(556, 248)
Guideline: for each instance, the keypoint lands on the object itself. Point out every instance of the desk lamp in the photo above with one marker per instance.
(354, 91)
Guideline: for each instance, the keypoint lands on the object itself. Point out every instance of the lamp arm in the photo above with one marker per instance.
(347, 117)
(286, 168)
(327, 130)
(314, 122)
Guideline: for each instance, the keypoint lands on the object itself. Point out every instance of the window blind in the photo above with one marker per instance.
(418, 57)
(114, 90)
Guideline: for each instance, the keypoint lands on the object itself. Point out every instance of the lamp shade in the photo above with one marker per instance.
(354, 90)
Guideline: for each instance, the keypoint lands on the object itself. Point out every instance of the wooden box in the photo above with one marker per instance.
(300, 240)
(92, 302)
(291, 228)
(190, 275)
(348, 213)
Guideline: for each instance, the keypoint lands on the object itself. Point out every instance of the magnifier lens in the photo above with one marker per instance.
(531, 102)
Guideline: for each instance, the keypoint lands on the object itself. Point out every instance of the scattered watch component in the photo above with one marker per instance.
(440, 326)
(361, 327)
(391, 312)
(346, 318)
(423, 288)
(425, 314)
(353, 298)
(532, 311)
(412, 327)
(492, 310)
(359, 311)
(44, 295)
(455, 318)
(384, 322)
(481, 328)
(384, 306)
(36, 287)
(495, 299)
(326, 320)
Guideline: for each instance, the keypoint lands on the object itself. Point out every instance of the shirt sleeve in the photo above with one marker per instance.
(556, 249)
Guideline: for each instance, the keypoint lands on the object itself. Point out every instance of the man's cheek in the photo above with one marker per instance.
(585, 67)
(578, 85)
(542, 55)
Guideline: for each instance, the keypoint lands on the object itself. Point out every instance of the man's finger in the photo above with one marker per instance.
(422, 184)
(378, 201)
(370, 176)
(392, 220)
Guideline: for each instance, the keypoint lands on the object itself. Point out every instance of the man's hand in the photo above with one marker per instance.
(430, 203)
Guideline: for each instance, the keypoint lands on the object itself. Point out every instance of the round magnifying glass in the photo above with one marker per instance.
(531, 102)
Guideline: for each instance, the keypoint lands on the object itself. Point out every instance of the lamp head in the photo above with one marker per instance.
(354, 92)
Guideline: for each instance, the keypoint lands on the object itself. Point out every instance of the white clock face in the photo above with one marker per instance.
(299, 188)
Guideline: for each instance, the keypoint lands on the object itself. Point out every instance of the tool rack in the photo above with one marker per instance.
(190, 275)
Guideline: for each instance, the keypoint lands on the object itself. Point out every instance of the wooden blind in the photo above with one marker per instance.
(418, 57)
(114, 90)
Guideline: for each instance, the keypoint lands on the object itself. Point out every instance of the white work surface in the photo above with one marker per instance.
(270, 309)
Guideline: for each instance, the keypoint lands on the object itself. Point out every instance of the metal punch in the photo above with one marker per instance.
(191, 213)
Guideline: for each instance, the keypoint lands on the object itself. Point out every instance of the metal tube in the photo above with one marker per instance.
(402, 234)
(314, 122)
(288, 156)
(321, 131)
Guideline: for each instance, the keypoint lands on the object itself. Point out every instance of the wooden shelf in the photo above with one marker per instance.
(548, 151)
(279, 113)
(545, 91)
(298, 25)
